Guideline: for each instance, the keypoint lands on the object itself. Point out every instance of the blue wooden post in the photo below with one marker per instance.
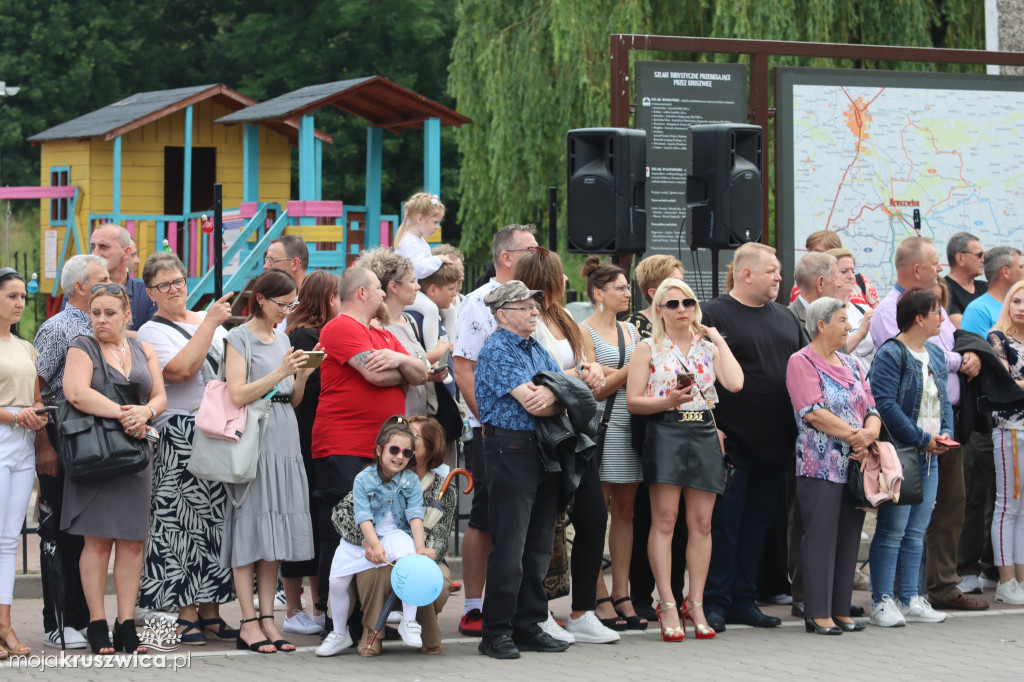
(186, 195)
(319, 162)
(251, 174)
(116, 203)
(374, 156)
(432, 156)
(307, 163)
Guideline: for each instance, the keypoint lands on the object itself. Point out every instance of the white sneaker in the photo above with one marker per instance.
(394, 618)
(411, 633)
(886, 614)
(988, 583)
(552, 627)
(1010, 592)
(920, 611)
(334, 643)
(280, 601)
(321, 620)
(588, 629)
(301, 623)
(970, 584)
(73, 639)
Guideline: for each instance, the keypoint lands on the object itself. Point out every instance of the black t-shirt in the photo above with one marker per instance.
(758, 421)
(960, 297)
(305, 338)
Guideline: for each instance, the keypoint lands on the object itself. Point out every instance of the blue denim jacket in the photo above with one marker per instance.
(402, 496)
(898, 403)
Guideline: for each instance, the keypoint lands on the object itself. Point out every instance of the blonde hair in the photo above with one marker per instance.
(659, 297)
(1004, 324)
(826, 238)
(841, 253)
(910, 252)
(749, 255)
(652, 270)
(420, 203)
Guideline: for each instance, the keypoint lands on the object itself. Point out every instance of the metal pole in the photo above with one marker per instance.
(218, 242)
(553, 219)
(7, 237)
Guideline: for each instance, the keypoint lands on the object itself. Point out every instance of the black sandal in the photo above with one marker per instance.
(617, 623)
(633, 622)
(256, 646)
(281, 643)
(126, 638)
(98, 635)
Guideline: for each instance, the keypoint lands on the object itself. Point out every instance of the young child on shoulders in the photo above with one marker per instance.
(423, 214)
(389, 511)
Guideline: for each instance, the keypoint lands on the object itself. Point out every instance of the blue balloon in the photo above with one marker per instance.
(417, 580)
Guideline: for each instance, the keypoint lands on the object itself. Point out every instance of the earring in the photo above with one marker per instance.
(600, 306)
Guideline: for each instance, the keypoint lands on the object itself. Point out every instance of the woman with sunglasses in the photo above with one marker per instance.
(112, 512)
(272, 522)
(541, 270)
(182, 570)
(19, 396)
(672, 377)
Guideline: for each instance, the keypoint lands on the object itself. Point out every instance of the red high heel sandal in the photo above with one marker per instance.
(702, 630)
(676, 634)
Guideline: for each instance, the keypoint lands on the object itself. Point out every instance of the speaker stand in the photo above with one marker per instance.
(714, 273)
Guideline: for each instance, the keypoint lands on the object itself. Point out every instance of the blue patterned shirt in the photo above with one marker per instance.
(52, 341)
(142, 306)
(506, 361)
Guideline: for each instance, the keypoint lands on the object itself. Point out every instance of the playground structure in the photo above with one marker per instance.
(149, 163)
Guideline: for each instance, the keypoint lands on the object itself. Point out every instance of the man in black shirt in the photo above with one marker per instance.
(759, 432)
(966, 261)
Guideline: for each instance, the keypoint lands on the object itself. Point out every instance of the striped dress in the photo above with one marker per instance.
(619, 462)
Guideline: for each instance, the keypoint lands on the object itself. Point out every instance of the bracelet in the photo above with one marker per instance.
(153, 410)
(15, 424)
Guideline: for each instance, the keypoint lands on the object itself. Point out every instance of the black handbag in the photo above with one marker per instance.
(448, 414)
(95, 448)
(911, 489)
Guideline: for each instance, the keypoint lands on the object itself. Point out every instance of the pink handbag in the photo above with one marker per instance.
(218, 417)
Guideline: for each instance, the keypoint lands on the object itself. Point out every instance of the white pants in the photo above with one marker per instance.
(1008, 519)
(17, 474)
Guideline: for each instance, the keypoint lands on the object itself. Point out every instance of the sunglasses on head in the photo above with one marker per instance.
(109, 287)
(674, 303)
(408, 453)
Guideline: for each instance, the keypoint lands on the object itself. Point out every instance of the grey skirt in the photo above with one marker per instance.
(683, 453)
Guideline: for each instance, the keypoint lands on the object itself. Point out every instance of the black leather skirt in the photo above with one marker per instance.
(681, 448)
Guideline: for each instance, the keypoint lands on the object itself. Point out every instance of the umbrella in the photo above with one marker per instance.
(51, 563)
(432, 513)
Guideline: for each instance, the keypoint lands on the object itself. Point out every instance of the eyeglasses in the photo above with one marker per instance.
(284, 306)
(976, 254)
(624, 289)
(532, 307)
(674, 303)
(934, 312)
(164, 287)
(408, 453)
(109, 287)
(536, 249)
(270, 260)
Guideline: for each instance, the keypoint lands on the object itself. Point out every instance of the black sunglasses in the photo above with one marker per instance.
(675, 303)
(109, 287)
(408, 453)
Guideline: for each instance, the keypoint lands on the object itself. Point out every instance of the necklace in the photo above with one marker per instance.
(115, 351)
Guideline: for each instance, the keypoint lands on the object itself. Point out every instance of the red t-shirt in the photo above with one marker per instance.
(351, 409)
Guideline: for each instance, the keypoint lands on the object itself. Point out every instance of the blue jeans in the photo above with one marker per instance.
(898, 544)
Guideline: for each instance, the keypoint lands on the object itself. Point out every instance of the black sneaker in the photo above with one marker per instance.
(542, 642)
(499, 646)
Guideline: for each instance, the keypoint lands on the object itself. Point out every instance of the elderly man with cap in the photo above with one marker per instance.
(523, 497)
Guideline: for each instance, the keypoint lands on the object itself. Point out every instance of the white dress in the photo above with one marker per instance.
(350, 559)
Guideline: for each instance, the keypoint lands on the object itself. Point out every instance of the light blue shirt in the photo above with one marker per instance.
(373, 498)
(981, 313)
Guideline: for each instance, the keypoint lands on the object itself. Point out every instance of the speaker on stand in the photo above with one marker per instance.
(723, 189)
(606, 171)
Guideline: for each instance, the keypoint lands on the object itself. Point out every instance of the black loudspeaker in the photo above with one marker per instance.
(723, 189)
(606, 175)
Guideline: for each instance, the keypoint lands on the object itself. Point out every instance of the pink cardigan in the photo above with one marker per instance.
(882, 472)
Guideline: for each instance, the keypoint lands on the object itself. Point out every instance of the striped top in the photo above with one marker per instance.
(619, 461)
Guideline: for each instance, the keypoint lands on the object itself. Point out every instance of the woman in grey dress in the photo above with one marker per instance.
(114, 511)
(272, 524)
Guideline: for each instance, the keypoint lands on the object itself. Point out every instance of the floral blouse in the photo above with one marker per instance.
(667, 362)
(1011, 352)
(814, 384)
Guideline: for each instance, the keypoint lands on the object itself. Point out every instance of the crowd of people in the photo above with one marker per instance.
(675, 429)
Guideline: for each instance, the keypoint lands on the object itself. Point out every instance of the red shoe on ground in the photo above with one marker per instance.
(472, 623)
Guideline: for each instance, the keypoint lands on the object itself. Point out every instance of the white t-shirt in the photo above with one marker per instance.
(182, 398)
(474, 327)
(929, 417)
(416, 249)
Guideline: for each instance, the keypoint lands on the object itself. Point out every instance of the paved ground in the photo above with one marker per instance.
(987, 646)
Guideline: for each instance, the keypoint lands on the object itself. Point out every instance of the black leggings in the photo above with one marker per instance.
(589, 518)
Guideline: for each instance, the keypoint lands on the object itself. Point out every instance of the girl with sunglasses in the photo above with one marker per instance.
(389, 512)
(672, 377)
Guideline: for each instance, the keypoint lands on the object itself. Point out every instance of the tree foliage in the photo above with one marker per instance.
(528, 72)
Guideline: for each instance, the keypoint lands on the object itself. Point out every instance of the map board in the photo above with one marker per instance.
(872, 154)
(671, 97)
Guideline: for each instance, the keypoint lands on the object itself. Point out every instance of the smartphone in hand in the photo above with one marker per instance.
(684, 380)
(313, 358)
(948, 442)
